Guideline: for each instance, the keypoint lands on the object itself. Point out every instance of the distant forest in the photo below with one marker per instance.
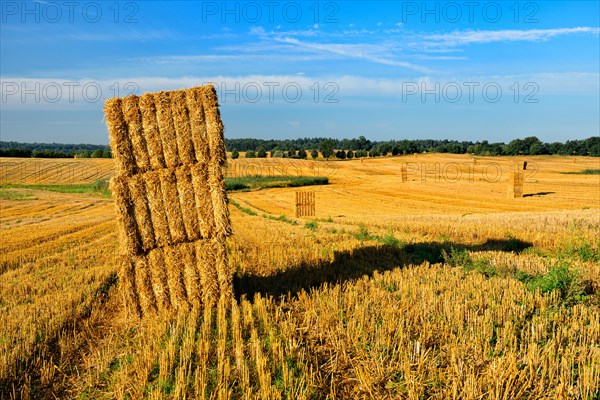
(340, 148)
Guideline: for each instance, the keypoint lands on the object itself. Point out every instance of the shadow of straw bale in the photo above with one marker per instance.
(359, 262)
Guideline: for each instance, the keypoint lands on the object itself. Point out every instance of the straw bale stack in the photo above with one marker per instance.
(170, 198)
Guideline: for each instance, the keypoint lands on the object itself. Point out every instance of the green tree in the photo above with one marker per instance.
(106, 154)
(261, 152)
(302, 154)
(314, 154)
(250, 154)
(326, 148)
(96, 154)
(235, 153)
(350, 154)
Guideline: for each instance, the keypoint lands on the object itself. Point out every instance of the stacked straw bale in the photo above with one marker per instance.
(170, 198)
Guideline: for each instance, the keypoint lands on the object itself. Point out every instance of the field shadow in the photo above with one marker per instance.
(362, 261)
(538, 194)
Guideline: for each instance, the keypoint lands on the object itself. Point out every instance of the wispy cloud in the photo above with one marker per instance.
(461, 38)
(375, 53)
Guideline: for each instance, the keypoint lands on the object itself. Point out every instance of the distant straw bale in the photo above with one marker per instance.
(170, 198)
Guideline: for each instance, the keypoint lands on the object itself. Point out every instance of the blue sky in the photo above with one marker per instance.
(285, 69)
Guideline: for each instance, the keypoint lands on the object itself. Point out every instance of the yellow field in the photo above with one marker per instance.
(366, 300)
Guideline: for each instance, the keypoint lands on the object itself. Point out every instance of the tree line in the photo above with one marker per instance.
(362, 147)
(328, 147)
(53, 150)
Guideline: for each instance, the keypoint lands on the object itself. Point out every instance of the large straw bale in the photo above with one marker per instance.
(214, 125)
(143, 283)
(209, 281)
(204, 206)
(156, 205)
(187, 200)
(125, 215)
(128, 284)
(143, 218)
(133, 118)
(183, 129)
(170, 199)
(158, 274)
(119, 137)
(162, 101)
(191, 273)
(175, 275)
(150, 125)
(172, 206)
(197, 124)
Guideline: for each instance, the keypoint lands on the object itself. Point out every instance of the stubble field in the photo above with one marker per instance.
(438, 287)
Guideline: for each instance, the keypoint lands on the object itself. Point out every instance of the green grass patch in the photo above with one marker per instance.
(242, 208)
(15, 196)
(584, 172)
(568, 282)
(312, 225)
(99, 187)
(247, 183)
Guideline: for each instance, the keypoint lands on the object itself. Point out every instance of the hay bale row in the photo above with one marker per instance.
(165, 130)
(177, 277)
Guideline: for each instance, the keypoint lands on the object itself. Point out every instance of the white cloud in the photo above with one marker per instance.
(460, 38)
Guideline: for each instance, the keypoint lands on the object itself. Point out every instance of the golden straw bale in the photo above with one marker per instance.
(168, 184)
(133, 118)
(224, 274)
(187, 200)
(214, 125)
(175, 275)
(198, 127)
(143, 283)
(158, 214)
(191, 273)
(142, 212)
(127, 282)
(125, 215)
(119, 137)
(209, 281)
(158, 274)
(204, 207)
(219, 200)
(183, 130)
(150, 125)
(162, 101)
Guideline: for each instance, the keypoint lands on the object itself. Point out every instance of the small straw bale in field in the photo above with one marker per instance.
(515, 184)
(156, 205)
(170, 197)
(185, 188)
(183, 130)
(119, 137)
(162, 101)
(150, 125)
(131, 243)
(142, 212)
(168, 184)
(133, 118)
